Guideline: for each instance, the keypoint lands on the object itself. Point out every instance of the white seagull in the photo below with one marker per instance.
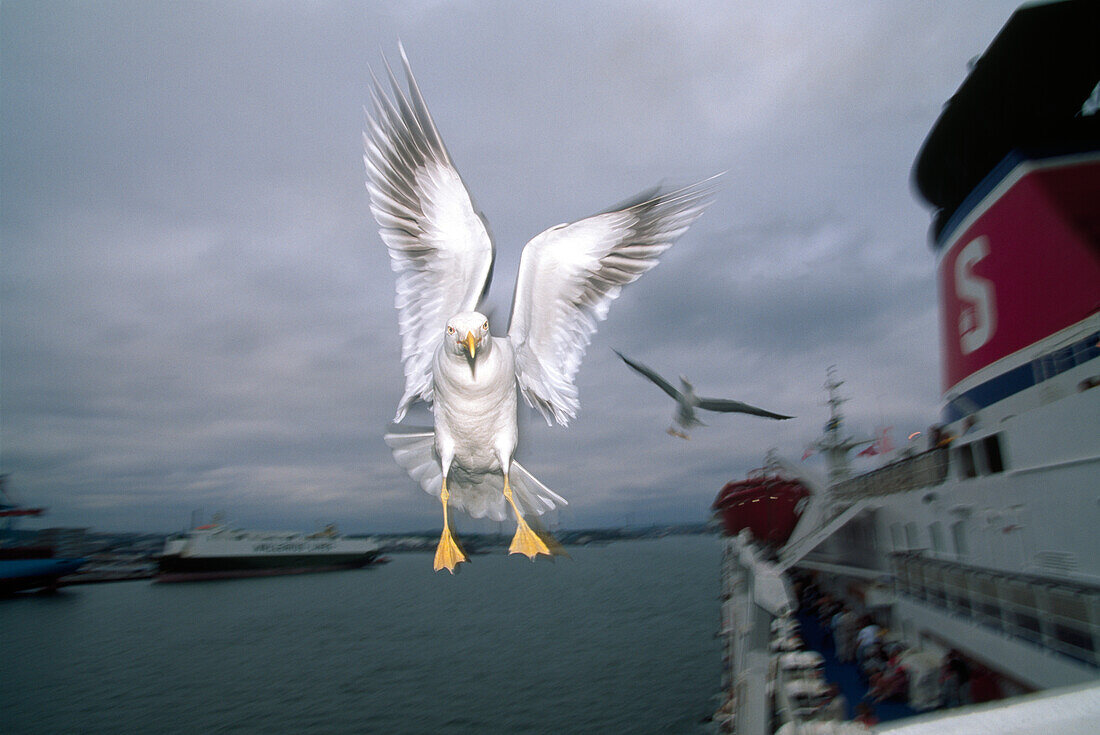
(442, 253)
(687, 401)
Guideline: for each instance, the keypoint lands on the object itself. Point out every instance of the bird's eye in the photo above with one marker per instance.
(450, 329)
(485, 326)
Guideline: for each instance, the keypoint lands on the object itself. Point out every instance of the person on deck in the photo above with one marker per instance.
(954, 677)
(845, 634)
(836, 707)
(866, 638)
(892, 683)
(984, 686)
(865, 715)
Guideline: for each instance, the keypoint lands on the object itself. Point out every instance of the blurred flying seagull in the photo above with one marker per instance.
(687, 401)
(442, 253)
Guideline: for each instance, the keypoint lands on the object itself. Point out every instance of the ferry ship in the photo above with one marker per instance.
(981, 546)
(217, 551)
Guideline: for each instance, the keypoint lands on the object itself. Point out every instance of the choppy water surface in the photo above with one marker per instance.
(618, 639)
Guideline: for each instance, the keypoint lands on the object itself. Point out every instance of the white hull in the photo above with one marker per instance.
(218, 552)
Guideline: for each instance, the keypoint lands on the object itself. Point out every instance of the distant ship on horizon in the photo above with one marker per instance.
(218, 551)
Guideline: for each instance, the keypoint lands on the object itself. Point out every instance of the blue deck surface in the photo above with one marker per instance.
(847, 675)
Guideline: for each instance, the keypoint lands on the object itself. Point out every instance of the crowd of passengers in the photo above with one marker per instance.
(856, 638)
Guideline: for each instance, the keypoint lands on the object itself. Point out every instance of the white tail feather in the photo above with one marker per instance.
(479, 496)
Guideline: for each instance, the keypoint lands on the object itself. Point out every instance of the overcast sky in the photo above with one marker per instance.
(197, 309)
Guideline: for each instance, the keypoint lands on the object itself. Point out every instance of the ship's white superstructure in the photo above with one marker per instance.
(216, 550)
(981, 545)
(987, 543)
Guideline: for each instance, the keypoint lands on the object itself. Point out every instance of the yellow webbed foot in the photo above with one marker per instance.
(527, 542)
(448, 554)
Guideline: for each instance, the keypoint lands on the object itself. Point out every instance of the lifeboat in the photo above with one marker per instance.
(768, 505)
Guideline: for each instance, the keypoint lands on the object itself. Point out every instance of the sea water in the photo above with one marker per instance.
(615, 639)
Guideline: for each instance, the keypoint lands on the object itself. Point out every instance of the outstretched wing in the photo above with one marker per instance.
(568, 277)
(649, 373)
(438, 242)
(725, 406)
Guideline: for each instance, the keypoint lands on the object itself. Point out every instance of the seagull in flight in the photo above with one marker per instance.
(687, 401)
(442, 253)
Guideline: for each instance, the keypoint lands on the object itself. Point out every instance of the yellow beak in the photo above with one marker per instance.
(471, 344)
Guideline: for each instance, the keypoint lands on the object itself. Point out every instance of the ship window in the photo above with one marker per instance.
(933, 580)
(986, 604)
(870, 536)
(1063, 359)
(1040, 369)
(957, 593)
(1023, 614)
(911, 534)
(958, 534)
(897, 537)
(1070, 624)
(966, 461)
(935, 532)
(916, 579)
(901, 572)
(993, 457)
(1081, 351)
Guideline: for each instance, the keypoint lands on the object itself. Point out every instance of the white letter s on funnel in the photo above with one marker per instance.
(978, 317)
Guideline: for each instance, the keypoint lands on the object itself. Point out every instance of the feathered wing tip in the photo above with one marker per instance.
(408, 398)
(570, 274)
(691, 198)
(438, 242)
(651, 375)
(724, 405)
(400, 141)
(414, 451)
(401, 135)
(662, 217)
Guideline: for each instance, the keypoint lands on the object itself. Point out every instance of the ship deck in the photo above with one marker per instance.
(847, 675)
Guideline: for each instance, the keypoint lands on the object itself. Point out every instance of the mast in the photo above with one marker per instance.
(833, 444)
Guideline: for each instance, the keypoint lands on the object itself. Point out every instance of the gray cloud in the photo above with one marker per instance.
(197, 309)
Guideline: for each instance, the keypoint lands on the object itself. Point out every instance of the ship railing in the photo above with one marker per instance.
(1057, 615)
(755, 594)
(926, 469)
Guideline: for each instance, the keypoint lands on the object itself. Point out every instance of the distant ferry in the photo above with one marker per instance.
(217, 551)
